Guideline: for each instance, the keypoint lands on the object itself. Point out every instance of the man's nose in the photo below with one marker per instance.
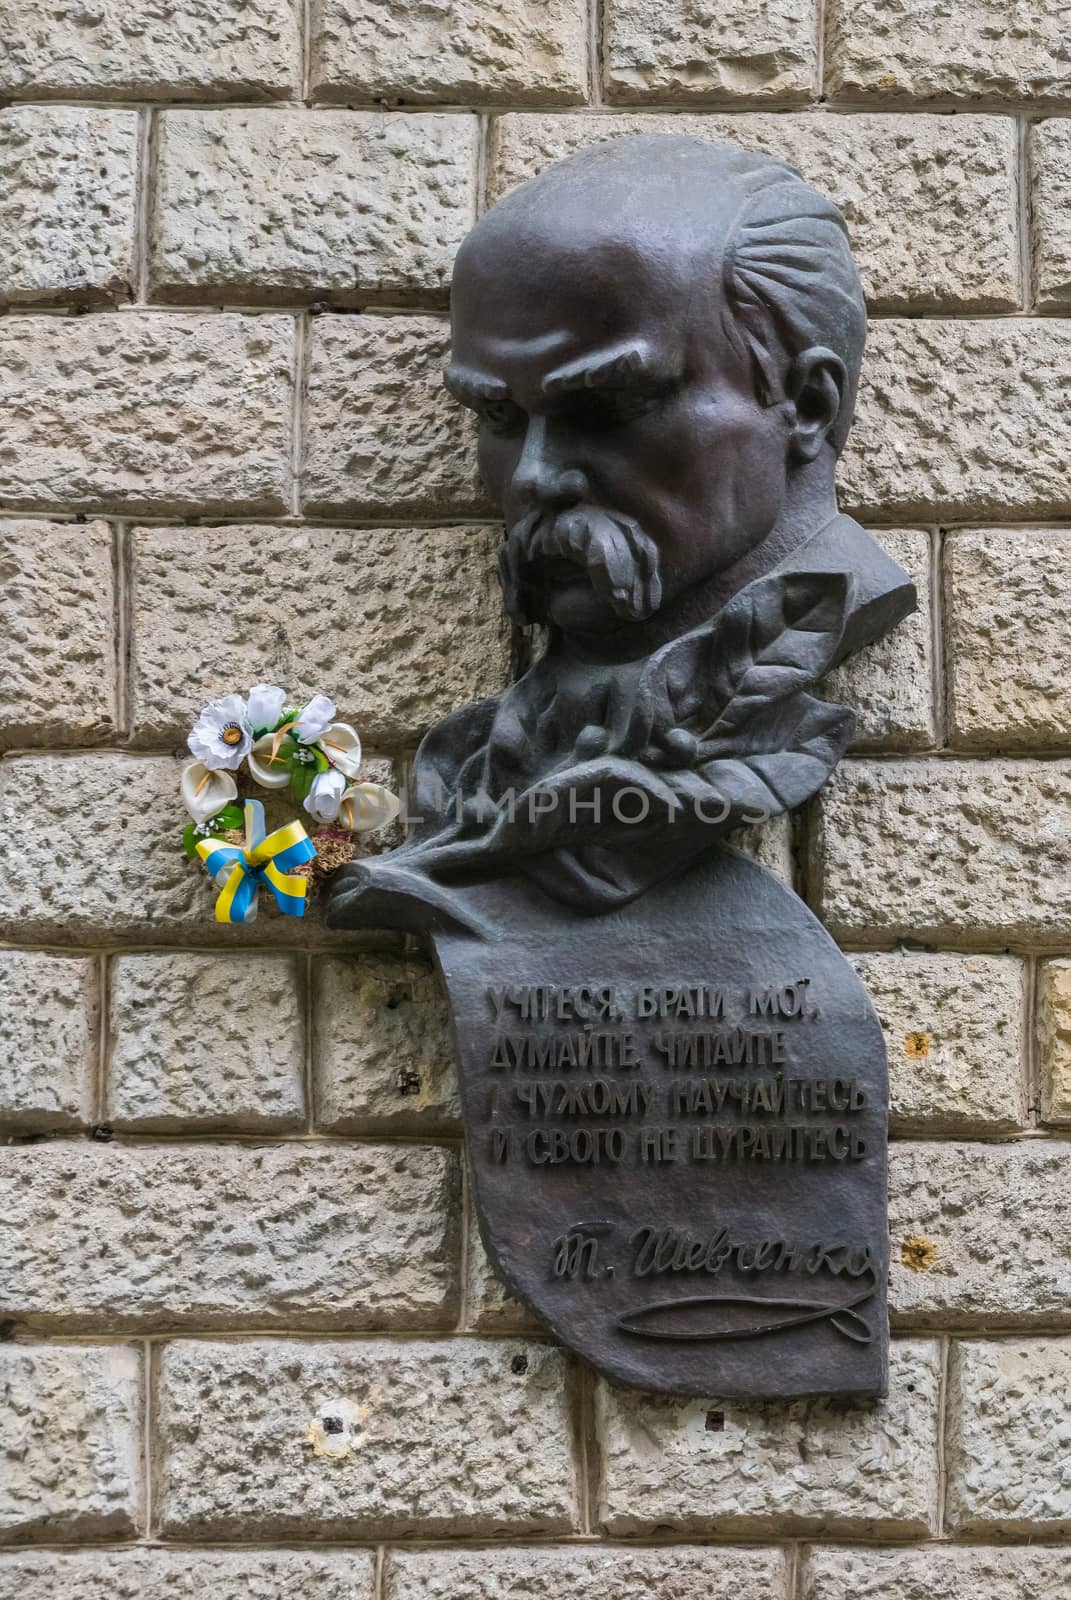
(541, 477)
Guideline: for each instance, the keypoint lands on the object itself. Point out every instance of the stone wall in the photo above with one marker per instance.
(251, 1346)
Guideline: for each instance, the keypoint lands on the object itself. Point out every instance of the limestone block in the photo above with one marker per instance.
(946, 851)
(258, 204)
(67, 195)
(698, 50)
(1009, 1434)
(146, 411)
(206, 1042)
(383, 1059)
(962, 420)
(187, 1575)
(70, 1444)
(48, 1025)
(928, 200)
(382, 438)
(489, 1308)
(363, 1440)
(478, 52)
(392, 654)
(120, 49)
(671, 1573)
(981, 1235)
(1006, 603)
(228, 1236)
(915, 51)
(1054, 1040)
(954, 1029)
(937, 1573)
(861, 1468)
(57, 604)
(1050, 210)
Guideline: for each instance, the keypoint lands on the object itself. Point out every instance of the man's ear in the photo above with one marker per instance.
(816, 385)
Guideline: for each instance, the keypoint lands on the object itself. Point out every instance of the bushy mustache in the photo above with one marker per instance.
(621, 560)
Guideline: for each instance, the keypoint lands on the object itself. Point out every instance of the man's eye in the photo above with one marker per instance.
(614, 408)
(501, 416)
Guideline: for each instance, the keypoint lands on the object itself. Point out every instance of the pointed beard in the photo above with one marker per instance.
(621, 561)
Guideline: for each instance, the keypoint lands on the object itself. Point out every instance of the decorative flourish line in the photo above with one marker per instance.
(843, 1317)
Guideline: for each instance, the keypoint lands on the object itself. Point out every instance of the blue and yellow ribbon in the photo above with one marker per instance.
(239, 872)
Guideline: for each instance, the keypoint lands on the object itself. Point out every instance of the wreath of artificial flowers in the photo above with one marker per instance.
(280, 746)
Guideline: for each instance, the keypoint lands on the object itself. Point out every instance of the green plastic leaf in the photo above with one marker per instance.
(189, 840)
(301, 780)
(232, 816)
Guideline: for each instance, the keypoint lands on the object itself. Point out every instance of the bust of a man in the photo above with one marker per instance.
(660, 339)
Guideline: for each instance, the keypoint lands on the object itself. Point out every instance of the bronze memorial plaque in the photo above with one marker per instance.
(673, 1083)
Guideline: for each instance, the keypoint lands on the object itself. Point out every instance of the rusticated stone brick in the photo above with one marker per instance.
(1006, 603)
(1050, 211)
(48, 1024)
(392, 654)
(70, 1443)
(145, 411)
(915, 51)
(366, 1440)
(937, 1573)
(488, 1306)
(57, 603)
(67, 193)
(714, 52)
(1009, 1433)
(946, 851)
(954, 1029)
(677, 1573)
(698, 1466)
(1054, 1040)
(347, 205)
(382, 437)
(187, 1575)
(137, 48)
(929, 201)
(203, 1041)
(382, 1054)
(229, 1236)
(479, 52)
(981, 1235)
(962, 420)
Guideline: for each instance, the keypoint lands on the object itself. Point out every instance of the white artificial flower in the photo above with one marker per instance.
(265, 706)
(342, 747)
(366, 806)
(325, 796)
(313, 718)
(221, 736)
(206, 791)
(267, 761)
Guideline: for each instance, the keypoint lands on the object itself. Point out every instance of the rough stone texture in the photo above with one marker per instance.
(703, 50)
(202, 1041)
(151, 50)
(945, 851)
(1054, 1040)
(48, 1029)
(70, 1443)
(928, 200)
(446, 1438)
(188, 1575)
(579, 1574)
(997, 1220)
(488, 1307)
(1050, 211)
(954, 1028)
(1008, 1439)
(383, 1059)
(770, 844)
(1007, 594)
(57, 610)
(963, 421)
(934, 1573)
(478, 52)
(267, 204)
(916, 50)
(145, 412)
(67, 194)
(382, 437)
(393, 653)
(228, 1236)
(812, 1466)
(890, 684)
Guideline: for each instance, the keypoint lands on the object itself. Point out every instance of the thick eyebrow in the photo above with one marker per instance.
(616, 368)
(472, 387)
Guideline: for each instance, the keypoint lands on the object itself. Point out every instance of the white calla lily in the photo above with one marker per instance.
(313, 718)
(267, 762)
(205, 790)
(221, 736)
(342, 747)
(366, 806)
(325, 796)
(265, 705)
